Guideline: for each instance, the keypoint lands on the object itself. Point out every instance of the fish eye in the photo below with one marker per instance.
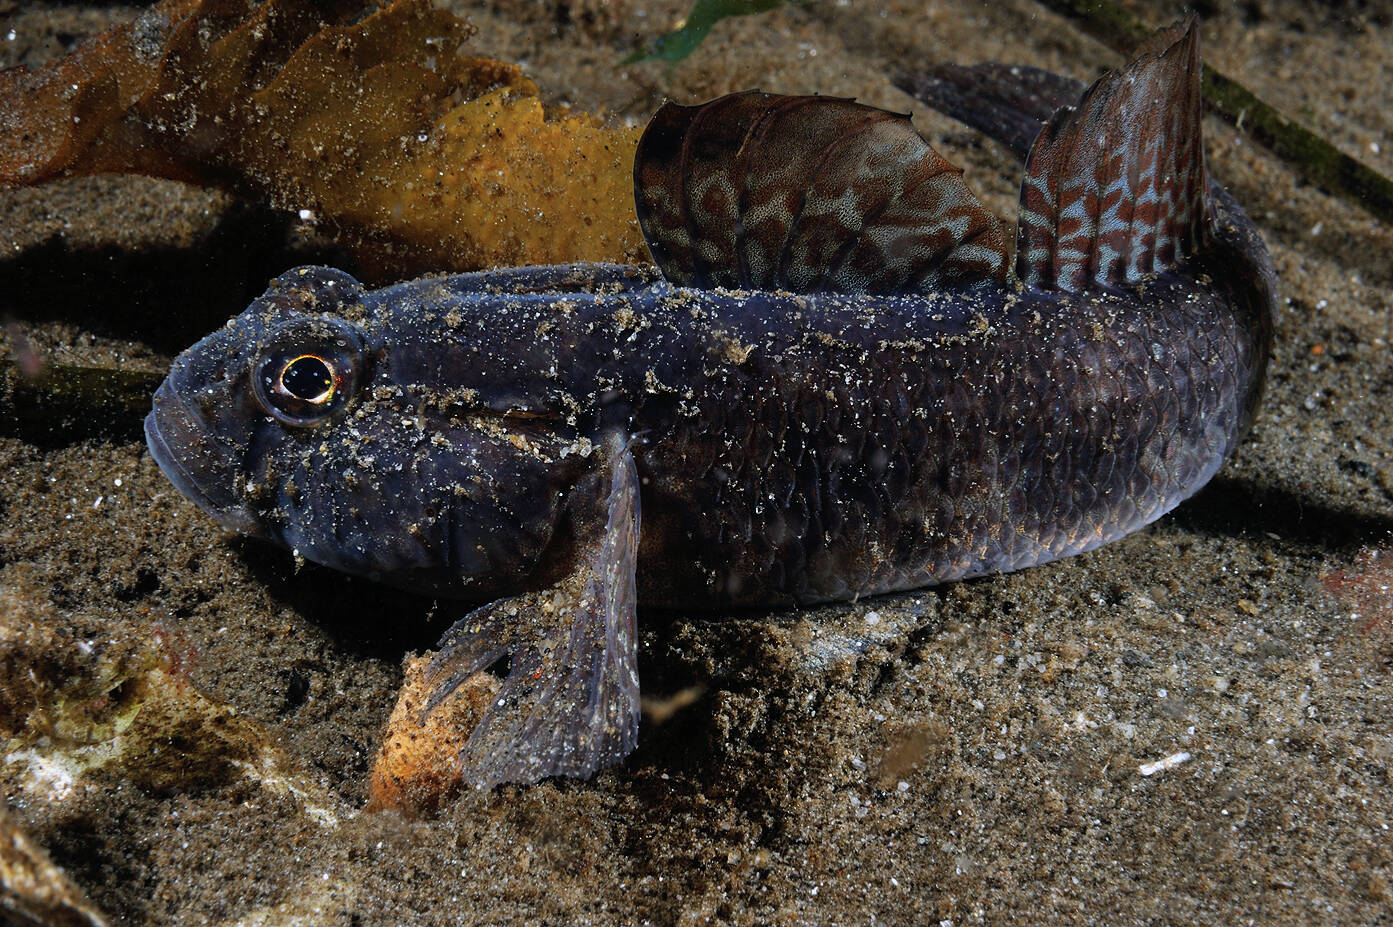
(308, 369)
(309, 378)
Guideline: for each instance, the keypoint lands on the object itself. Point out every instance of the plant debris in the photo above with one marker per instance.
(419, 157)
(33, 891)
(692, 30)
(1367, 588)
(74, 711)
(418, 765)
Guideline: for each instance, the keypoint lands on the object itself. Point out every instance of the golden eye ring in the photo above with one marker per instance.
(308, 369)
(309, 378)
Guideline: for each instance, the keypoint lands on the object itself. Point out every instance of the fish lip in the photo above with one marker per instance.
(171, 417)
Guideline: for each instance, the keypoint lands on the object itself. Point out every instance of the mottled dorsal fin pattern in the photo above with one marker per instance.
(1115, 187)
(807, 194)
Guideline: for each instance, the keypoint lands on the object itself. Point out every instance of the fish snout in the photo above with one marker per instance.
(195, 460)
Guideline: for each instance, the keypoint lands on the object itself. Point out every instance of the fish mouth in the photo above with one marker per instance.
(198, 464)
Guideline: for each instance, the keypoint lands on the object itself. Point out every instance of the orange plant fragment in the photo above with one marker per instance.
(525, 190)
(420, 158)
(417, 766)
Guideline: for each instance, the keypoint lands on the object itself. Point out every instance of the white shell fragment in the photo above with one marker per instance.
(1161, 765)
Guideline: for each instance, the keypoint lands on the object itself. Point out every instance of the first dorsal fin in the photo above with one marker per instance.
(1115, 187)
(807, 194)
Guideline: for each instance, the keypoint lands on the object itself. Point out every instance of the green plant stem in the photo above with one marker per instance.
(77, 401)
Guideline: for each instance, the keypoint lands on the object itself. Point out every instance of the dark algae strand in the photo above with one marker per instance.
(840, 384)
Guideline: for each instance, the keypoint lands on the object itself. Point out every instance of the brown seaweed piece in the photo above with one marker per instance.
(421, 158)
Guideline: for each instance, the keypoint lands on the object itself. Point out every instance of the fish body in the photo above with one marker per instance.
(837, 388)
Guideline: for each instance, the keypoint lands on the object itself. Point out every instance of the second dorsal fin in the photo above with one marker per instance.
(1115, 187)
(807, 194)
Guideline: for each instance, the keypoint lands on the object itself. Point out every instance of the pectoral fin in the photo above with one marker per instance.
(570, 703)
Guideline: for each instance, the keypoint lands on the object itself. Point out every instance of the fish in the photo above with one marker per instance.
(836, 384)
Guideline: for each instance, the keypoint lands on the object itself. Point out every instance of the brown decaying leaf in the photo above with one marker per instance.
(420, 157)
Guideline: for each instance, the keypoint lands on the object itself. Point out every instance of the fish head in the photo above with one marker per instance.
(292, 424)
(223, 394)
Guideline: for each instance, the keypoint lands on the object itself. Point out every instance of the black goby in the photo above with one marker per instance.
(839, 387)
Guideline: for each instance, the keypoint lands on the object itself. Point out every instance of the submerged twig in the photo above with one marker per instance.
(70, 399)
(1316, 159)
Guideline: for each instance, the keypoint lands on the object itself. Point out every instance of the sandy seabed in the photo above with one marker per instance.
(972, 754)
